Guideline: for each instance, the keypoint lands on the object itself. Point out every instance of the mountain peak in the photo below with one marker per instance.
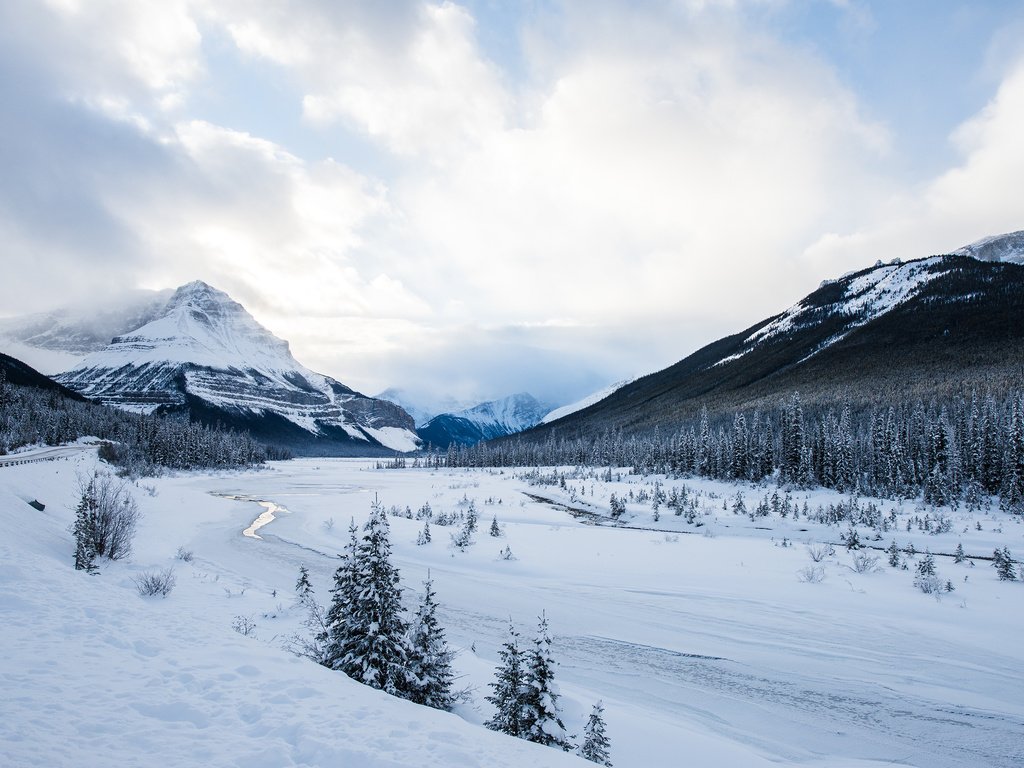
(1008, 247)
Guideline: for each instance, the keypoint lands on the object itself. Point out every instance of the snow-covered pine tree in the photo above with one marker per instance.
(508, 688)
(375, 651)
(541, 721)
(495, 528)
(338, 621)
(595, 742)
(429, 669)
(894, 554)
(1003, 563)
(85, 529)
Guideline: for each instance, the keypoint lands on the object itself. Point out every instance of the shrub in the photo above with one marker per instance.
(244, 625)
(865, 563)
(151, 583)
(185, 555)
(819, 552)
(811, 574)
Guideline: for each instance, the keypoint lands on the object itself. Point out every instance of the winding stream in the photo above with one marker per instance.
(270, 511)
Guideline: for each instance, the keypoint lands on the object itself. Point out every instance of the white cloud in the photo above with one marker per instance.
(423, 90)
(649, 181)
(977, 197)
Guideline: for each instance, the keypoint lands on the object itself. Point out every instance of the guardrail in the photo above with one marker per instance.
(13, 462)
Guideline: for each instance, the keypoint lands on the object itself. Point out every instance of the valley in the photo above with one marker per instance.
(700, 638)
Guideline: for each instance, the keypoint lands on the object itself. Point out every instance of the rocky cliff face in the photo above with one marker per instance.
(205, 355)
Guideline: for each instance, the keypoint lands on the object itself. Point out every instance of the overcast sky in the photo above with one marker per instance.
(482, 198)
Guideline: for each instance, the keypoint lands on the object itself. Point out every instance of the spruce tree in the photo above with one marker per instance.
(339, 624)
(508, 688)
(894, 554)
(595, 742)
(85, 530)
(495, 528)
(958, 555)
(1003, 563)
(429, 670)
(542, 723)
(375, 648)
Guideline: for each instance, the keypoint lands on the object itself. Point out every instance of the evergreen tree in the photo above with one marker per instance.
(495, 528)
(894, 554)
(429, 670)
(926, 565)
(958, 555)
(375, 651)
(339, 622)
(541, 721)
(1003, 564)
(595, 741)
(85, 530)
(508, 688)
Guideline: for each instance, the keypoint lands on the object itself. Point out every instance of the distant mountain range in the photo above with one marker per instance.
(199, 352)
(923, 328)
(486, 421)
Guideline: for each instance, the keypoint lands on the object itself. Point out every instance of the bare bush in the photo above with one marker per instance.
(864, 563)
(152, 583)
(819, 552)
(811, 574)
(244, 625)
(185, 555)
(114, 515)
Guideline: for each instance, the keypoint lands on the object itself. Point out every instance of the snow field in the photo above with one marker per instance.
(706, 649)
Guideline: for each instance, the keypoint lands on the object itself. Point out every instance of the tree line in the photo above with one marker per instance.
(139, 443)
(947, 451)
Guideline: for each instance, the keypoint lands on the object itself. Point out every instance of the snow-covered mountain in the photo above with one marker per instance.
(57, 340)
(1006, 248)
(205, 354)
(422, 407)
(486, 421)
(584, 402)
(933, 326)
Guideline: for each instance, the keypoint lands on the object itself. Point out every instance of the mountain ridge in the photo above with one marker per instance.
(205, 355)
(924, 327)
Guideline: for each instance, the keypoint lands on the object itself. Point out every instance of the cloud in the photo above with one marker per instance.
(640, 181)
(416, 82)
(975, 198)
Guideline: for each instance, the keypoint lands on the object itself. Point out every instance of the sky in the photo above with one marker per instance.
(476, 199)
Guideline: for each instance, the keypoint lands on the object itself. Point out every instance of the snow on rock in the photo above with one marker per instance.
(865, 297)
(206, 345)
(1007, 248)
(585, 402)
(510, 414)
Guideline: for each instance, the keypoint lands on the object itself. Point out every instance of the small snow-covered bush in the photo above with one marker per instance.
(864, 563)
(244, 625)
(819, 552)
(930, 585)
(152, 583)
(185, 555)
(811, 574)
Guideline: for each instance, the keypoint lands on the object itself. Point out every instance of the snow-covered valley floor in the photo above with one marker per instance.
(706, 643)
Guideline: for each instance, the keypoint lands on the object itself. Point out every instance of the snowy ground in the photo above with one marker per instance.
(703, 643)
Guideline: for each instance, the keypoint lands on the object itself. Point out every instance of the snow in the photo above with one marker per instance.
(585, 402)
(513, 413)
(701, 641)
(864, 299)
(1008, 248)
(228, 360)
